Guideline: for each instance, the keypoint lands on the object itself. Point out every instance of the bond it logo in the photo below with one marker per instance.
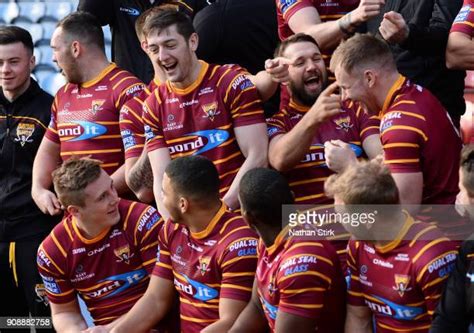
(81, 130)
(200, 142)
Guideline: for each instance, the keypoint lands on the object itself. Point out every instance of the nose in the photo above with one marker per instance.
(162, 54)
(310, 65)
(6, 67)
(344, 95)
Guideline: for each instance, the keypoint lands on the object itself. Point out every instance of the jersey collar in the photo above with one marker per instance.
(99, 77)
(392, 93)
(212, 224)
(401, 234)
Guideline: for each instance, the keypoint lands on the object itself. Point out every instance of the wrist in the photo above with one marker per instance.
(347, 25)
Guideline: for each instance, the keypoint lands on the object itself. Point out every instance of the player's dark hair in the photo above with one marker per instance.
(293, 39)
(72, 177)
(467, 168)
(83, 27)
(168, 18)
(140, 22)
(262, 193)
(194, 177)
(14, 34)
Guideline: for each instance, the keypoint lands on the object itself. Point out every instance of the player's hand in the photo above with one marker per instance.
(96, 329)
(278, 69)
(393, 28)
(460, 206)
(339, 155)
(46, 201)
(366, 10)
(326, 106)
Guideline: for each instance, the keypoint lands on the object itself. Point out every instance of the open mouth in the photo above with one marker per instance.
(313, 81)
(169, 67)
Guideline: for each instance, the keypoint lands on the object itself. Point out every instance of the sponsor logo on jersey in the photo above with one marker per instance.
(397, 311)
(101, 88)
(196, 289)
(369, 249)
(203, 141)
(286, 4)
(203, 265)
(210, 111)
(382, 263)
(81, 130)
(123, 254)
(50, 284)
(402, 257)
(210, 242)
(463, 14)
(344, 123)
(24, 131)
(128, 139)
(135, 89)
(443, 265)
(81, 275)
(148, 219)
(271, 310)
(79, 250)
(115, 233)
(401, 284)
(130, 11)
(98, 250)
(318, 156)
(195, 247)
(384, 125)
(271, 130)
(42, 259)
(242, 82)
(206, 90)
(116, 284)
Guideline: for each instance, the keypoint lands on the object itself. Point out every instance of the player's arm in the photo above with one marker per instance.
(287, 150)
(229, 310)
(150, 308)
(329, 34)
(372, 146)
(159, 159)
(140, 177)
(460, 51)
(253, 143)
(287, 322)
(119, 180)
(358, 319)
(410, 187)
(451, 313)
(252, 318)
(67, 317)
(46, 161)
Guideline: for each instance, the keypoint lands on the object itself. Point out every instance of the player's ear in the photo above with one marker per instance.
(183, 205)
(370, 78)
(73, 210)
(76, 48)
(193, 41)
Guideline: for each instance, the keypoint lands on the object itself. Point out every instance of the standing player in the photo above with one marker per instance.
(299, 285)
(420, 144)
(207, 252)
(104, 250)
(85, 112)
(202, 109)
(398, 267)
(460, 49)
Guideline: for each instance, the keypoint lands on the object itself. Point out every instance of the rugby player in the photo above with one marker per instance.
(103, 251)
(85, 112)
(420, 144)
(398, 266)
(202, 109)
(299, 284)
(460, 48)
(205, 251)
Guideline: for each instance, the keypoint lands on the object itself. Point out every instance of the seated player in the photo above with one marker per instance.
(398, 266)
(104, 249)
(299, 285)
(205, 251)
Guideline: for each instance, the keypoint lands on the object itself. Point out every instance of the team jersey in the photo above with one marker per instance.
(109, 272)
(307, 178)
(218, 262)
(85, 117)
(402, 281)
(131, 123)
(301, 277)
(200, 119)
(464, 21)
(418, 136)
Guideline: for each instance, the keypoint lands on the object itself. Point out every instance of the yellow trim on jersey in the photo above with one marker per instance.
(52, 261)
(130, 209)
(116, 303)
(151, 261)
(393, 244)
(418, 235)
(91, 152)
(278, 240)
(434, 282)
(231, 261)
(369, 128)
(68, 231)
(304, 306)
(196, 320)
(234, 111)
(408, 128)
(404, 329)
(299, 107)
(30, 118)
(222, 160)
(314, 180)
(229, 173)
(99, 77)
(322, 276)
(403, 101)
(401, 145)
(149, 245)
(396, 85)
(234, 286)
(164, 265)
(427, 246)
(130, 86)
(202, 71)
(93, 240)
(303, 290)
(411, 114)
(402, 161)
(238, 274)
(244, 227)
(212, 224)
(58, 245)
(309, 197)
(198, 305)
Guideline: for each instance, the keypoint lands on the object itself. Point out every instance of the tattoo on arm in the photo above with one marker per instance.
(141, 175)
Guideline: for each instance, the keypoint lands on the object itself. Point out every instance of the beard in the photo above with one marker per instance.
(304, 97)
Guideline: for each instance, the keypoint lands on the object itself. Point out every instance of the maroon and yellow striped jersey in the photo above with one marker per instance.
(301, 277)
(111, 271)
(218, 262)
(307, 178)
(85, 117)
(131, 122)
(402, 281)
(464, 21)
(418, 136)
(200, 119)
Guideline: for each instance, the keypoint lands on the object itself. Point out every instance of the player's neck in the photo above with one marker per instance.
(386, 230)
(385, 86)
(193, 74)
(200, 218)
(268, 234)
(95, 65)
(89, 231)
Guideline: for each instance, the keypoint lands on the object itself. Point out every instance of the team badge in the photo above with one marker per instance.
(97, 105)
(271, 286)
(401, 284)
(123, 253)
(210, 110)
(204, 265)
(41, 293)
(344, 123)
(24, 131)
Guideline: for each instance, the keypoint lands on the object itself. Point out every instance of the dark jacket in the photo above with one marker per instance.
(121, 15)
(455, 311)
(421, 57)
(22, 126)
